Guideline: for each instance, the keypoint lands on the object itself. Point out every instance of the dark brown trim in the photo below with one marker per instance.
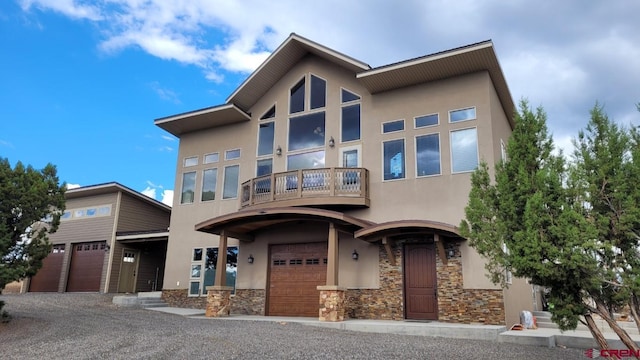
(376, 232)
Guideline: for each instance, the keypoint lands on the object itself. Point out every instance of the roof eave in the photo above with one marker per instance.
(202, 119)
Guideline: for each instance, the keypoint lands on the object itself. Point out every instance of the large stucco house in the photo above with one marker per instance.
(335, 189)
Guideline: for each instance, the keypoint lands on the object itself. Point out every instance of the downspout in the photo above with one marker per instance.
(112, 243)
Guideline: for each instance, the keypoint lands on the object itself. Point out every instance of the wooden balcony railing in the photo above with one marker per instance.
(326, 186)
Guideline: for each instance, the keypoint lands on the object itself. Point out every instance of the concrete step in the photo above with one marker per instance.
(151, 302)
(545, 322)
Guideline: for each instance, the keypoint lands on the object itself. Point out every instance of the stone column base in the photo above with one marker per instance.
(332, 303)
(218, 301)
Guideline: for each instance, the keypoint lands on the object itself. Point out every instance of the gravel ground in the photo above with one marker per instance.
(89, 326)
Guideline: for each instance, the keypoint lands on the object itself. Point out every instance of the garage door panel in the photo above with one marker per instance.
(85, 271)
(295, 272)
(48, 277)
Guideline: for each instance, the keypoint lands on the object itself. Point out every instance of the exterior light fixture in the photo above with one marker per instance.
(332, 142)
(250, 259)
(451, 253)
(355, 255)
(279, 151)
(107, 248)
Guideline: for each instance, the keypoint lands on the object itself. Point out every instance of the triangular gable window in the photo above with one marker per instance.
(349, 96)
(269, 114)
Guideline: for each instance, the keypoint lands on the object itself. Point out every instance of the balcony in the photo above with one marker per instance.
(308, 187)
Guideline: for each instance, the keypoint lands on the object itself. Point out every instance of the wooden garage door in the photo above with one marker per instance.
(295, 272)
(420, 286)
(85, 270)
(47, 278)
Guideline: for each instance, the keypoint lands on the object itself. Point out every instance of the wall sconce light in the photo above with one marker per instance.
(450, 253)
(250, 259)
(107, 248)
(355, 255)
(332, 142)
(279, 151)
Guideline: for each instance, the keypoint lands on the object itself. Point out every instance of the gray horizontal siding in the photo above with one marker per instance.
(138, 215)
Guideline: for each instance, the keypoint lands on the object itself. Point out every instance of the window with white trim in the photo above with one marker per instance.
(393, 159)
(203, 269)
(188, 188)
(462, 114)
(209, 182)
(191, 161)
(230, 186)
(464, 150)
(428, 155)
(392, 126)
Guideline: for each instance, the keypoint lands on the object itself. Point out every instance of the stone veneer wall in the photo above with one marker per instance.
(180, 298)
(455, 304)
(248, 302)
(385, 303)
(459, 305)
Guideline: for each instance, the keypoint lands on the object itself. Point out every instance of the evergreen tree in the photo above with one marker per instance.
(538, 222)
(31, 203)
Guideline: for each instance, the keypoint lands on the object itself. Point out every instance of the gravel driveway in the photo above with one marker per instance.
(89, 326)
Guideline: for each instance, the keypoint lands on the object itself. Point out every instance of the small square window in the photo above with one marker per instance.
(91, 212)
(194, 288)
(78, 213)
(191, 161)
(211, 158)
(196, 270)
(104, 210)
(232, 154)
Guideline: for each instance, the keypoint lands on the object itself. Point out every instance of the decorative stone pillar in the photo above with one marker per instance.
(332, 303)
(218, 301)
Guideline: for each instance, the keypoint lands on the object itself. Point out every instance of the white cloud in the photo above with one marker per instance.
(168, 138)
(72, 186)
(167, 197)
(165, 93)
(149, 191)
(71, 8)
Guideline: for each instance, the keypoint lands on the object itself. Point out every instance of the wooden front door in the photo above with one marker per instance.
(295, 271)
(128, 270)
(420, 288)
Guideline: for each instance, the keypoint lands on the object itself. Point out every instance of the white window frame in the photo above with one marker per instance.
(224, 180)
(304, 105)
(415, 125)
(204, 158)
(475, 110)
(451, 150)
(347, 104)
(344, 149)
(273, 146)
(326, 93)
(404, 126)
(186, 160)
(226, 154)
(415, 147)
(195, 185)
(215, 189)
(404, 152)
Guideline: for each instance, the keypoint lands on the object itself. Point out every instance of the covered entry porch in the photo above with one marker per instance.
(295, 261)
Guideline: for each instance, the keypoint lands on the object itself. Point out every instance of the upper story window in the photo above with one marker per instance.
(393, 158)
(317, 95)
(265, 138)
(230, 186)
(393, 126)
(426, 120)
(307, 131)
(462, 114)
(464, 150)
(209, 182)
(318, 92)
(428, 155)
(211, 158)
(296, 98)
(350, 116)
(188, 188)
(191, 161)
(232, 154)
(270, 114)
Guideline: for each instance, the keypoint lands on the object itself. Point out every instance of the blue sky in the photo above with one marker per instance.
(82, 81)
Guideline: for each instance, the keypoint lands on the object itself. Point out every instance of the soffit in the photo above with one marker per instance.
(202, 119)
(247, 221)
(460, 61)
(280, 62)
(112, 187)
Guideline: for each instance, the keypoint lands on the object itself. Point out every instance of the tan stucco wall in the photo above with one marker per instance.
(438, 198)
(518, 297)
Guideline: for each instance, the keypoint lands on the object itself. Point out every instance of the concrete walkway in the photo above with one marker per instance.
(539, 337)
